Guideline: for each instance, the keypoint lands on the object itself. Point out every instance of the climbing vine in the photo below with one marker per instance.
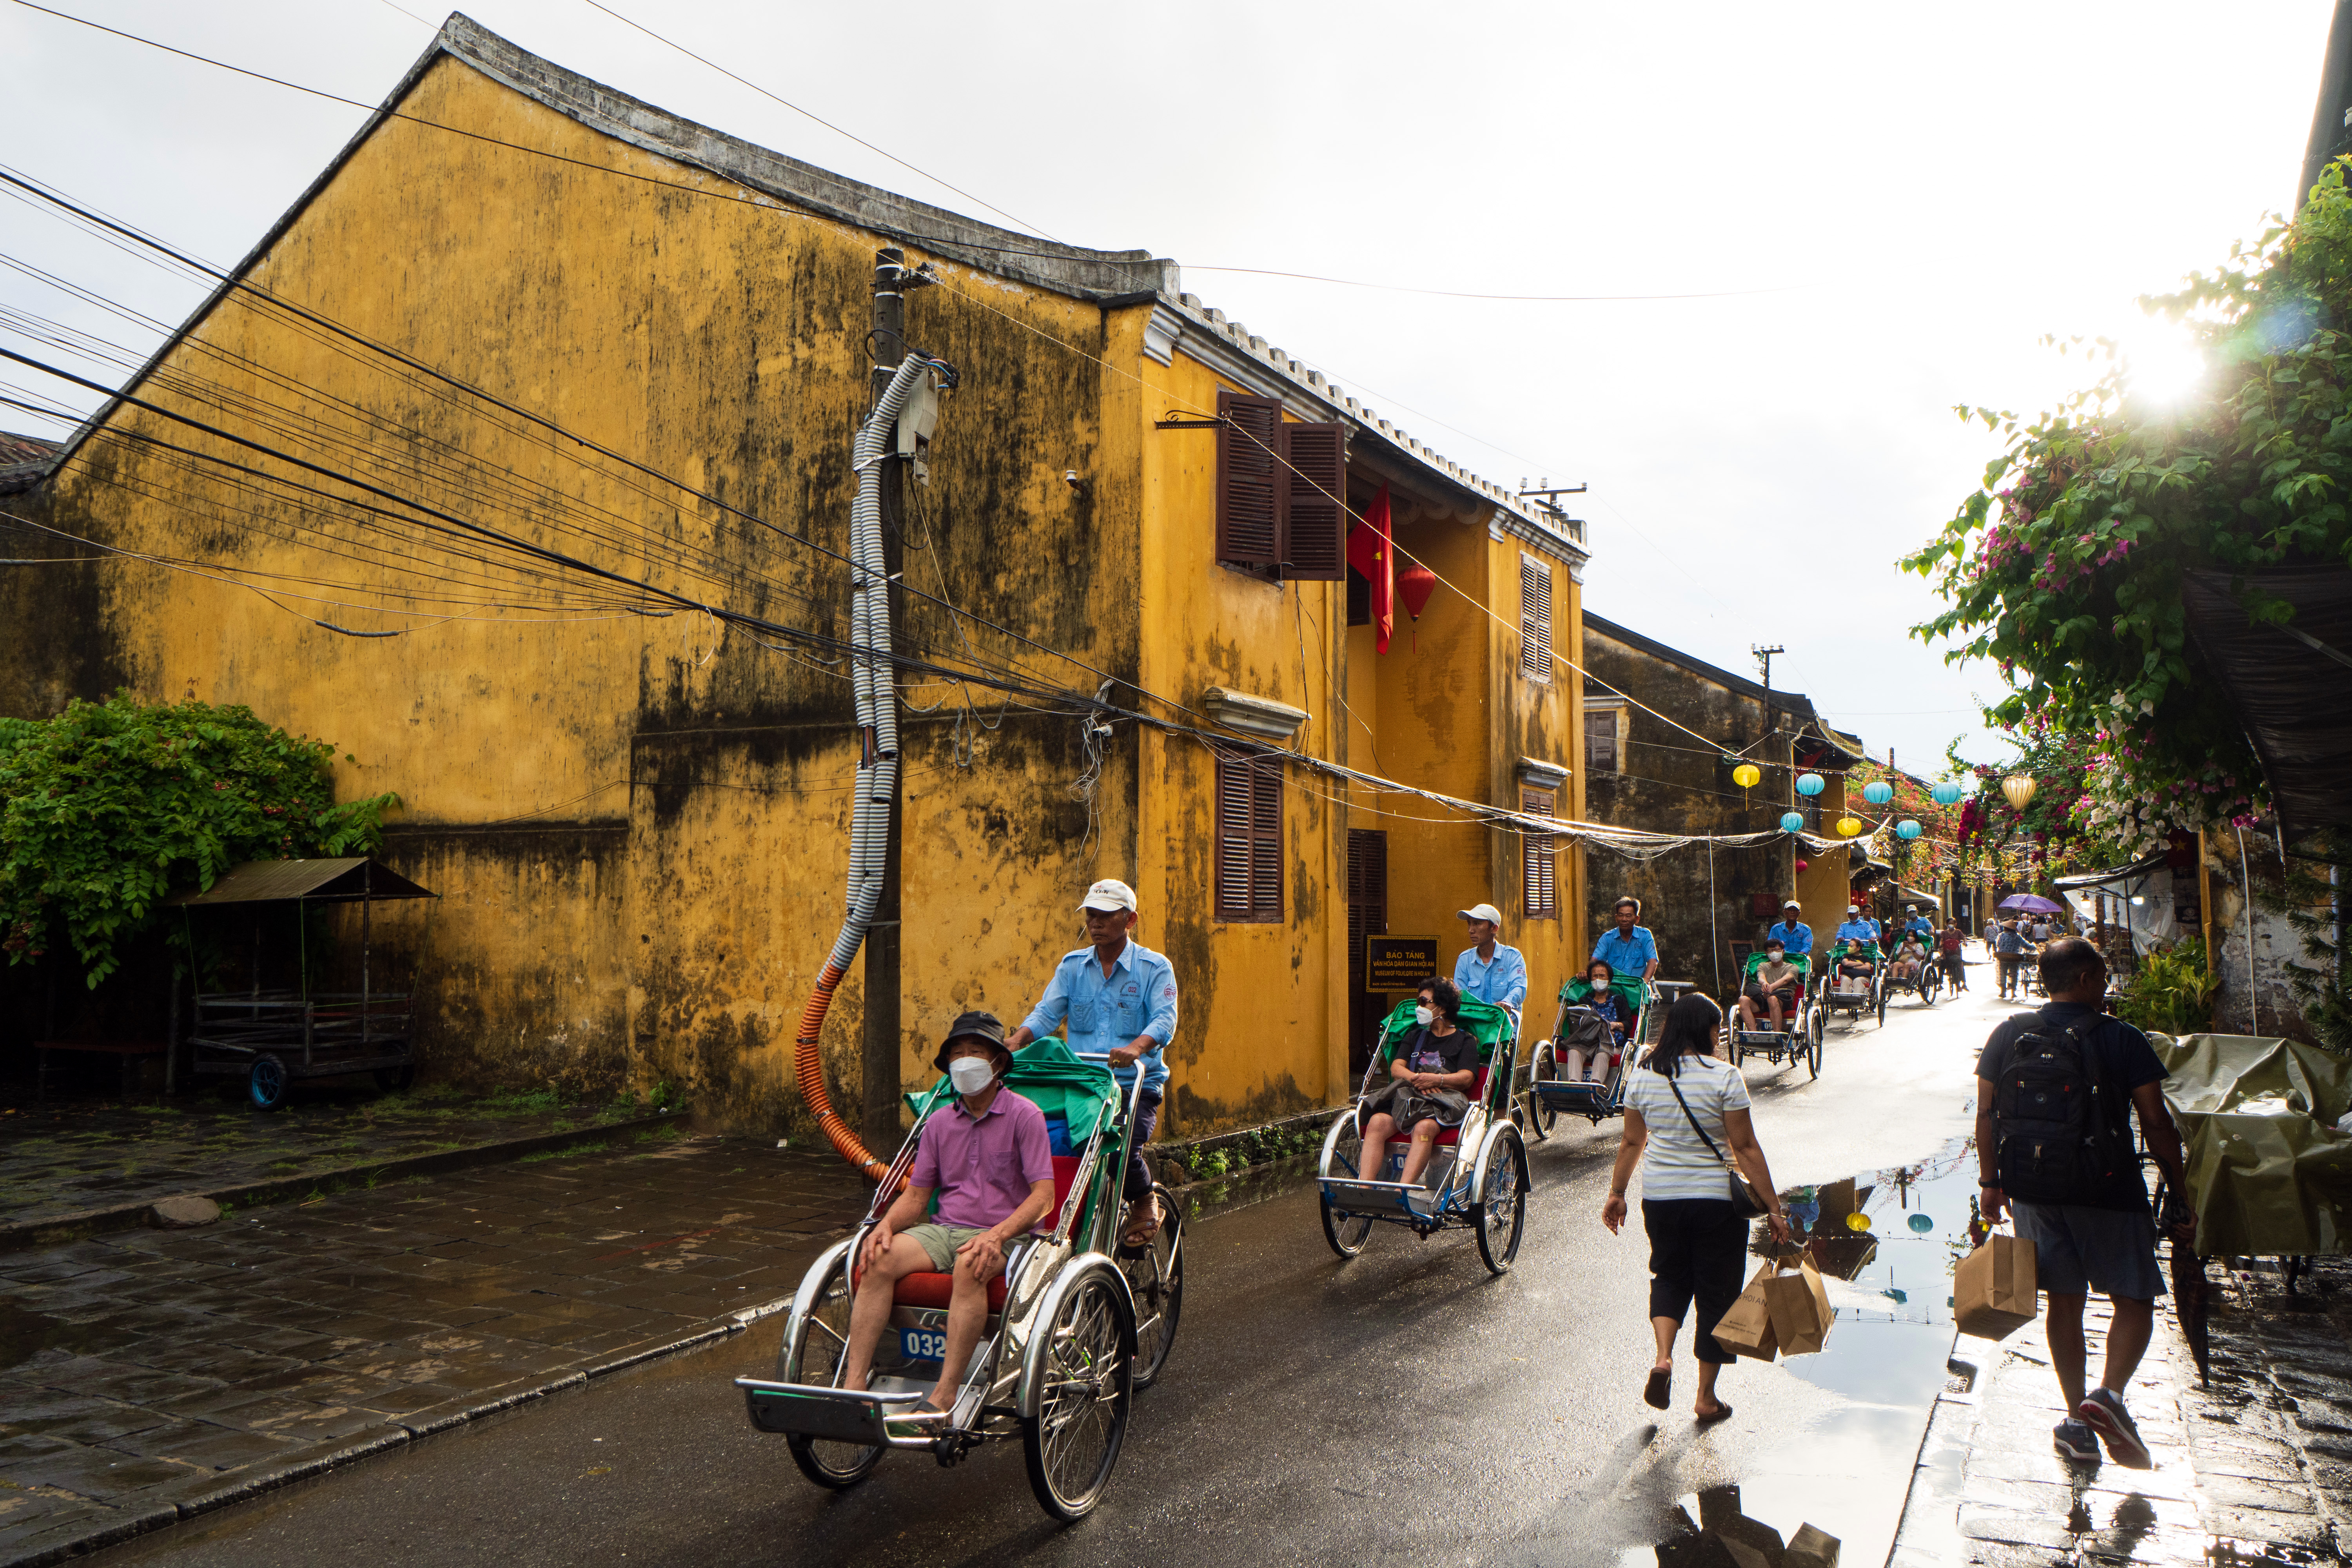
(110, 806)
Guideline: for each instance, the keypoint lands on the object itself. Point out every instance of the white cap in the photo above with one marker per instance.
(1853, 909)
(1486, 912)
(1108, 895)
(1792, 904)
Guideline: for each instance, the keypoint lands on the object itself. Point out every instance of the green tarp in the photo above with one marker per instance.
(2268, 1172)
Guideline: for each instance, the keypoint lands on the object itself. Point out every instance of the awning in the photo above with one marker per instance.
(2286, 682)
(2091, 881)
(1903, 895)
(339, 880)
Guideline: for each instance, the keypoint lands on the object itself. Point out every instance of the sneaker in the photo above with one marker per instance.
(2105, 1415)
(2075, 1440)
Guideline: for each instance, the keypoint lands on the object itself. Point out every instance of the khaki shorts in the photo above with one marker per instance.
(939, 1242)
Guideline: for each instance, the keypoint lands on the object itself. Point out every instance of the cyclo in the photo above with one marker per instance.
(1853, 995)
(1077, 1325)
(1925, 984)
(1486, 1192)
(1799, 1038)
(1551, 1095)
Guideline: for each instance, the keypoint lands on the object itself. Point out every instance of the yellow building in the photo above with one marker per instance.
(534, 366)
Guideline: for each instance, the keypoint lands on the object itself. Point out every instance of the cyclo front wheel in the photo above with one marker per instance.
(1501, 1216)
(1088, 1386)
(1344, 1155)
(1546, 1070)
(815, 1358)
(1155, 1277)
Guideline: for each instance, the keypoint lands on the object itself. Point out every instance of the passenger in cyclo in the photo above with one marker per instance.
(1772, 988)
(1910, 959)
(987, 1157)
(1856, 960)
(1597, 1057)
(1430, 1078)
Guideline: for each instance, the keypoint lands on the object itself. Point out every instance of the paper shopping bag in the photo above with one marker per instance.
(1745, 1326)
(1993, 1291)
(1799, 1305)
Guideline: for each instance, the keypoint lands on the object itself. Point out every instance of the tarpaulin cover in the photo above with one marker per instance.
(2267, 1170)
(2286, 685)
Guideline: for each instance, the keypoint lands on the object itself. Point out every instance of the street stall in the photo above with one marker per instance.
(273, 1035)
(2139, 902)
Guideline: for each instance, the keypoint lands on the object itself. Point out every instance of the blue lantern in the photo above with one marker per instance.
(1878, 792)
(1810, 783)
(1920, 1223)
(1906, 829)
(1948, 792)
(1791, 820)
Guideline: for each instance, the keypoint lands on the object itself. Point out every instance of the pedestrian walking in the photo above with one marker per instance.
(1684, 1109)
(2056, 1091)
(2010, 950)
(1951, 944)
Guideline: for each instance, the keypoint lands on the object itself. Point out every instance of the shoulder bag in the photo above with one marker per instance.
(1745, 1204)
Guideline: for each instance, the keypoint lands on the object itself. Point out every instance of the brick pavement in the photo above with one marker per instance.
(148, 1375)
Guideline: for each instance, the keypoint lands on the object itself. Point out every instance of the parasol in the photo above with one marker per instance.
(2033, 903)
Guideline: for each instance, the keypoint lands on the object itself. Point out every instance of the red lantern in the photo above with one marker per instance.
(1415, 584)
(1800, 865)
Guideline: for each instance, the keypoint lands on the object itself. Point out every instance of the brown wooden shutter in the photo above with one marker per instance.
(1539, 867)
(1315, 520)
(1535, 618)
(1249, 837)
(1250, 494)
(1600, 741)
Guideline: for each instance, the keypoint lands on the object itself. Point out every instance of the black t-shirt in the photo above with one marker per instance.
(1425, 1052)
(2120, 1056)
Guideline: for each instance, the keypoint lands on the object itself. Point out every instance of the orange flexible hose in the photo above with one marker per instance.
(808, 1067)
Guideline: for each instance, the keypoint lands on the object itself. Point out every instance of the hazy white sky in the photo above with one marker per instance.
(1926, 191)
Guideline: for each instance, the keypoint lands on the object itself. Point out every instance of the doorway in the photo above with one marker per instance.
(1367, 915)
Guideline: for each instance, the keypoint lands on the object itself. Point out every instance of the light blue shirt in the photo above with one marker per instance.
(1795, 937)
(1104, 1013)
(1628, 956)
(1858, 931)
(1501, 981)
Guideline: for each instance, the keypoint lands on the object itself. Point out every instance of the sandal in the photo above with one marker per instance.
(1722, 1412)
(1659, 1390)
(1142, 1225)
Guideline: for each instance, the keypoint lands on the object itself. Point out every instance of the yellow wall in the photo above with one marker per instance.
(1826, 884)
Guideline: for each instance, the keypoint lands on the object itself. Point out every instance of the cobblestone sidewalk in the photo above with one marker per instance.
(148, 1375)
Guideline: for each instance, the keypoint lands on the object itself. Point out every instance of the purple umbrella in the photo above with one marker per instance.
(2033, 903)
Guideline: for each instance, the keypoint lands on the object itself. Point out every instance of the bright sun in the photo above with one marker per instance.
(2160, 364)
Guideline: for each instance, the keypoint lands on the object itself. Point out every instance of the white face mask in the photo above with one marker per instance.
(972, 1074)
(1424, 1017)
(1773, 956)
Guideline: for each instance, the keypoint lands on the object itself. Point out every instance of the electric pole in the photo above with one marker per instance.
(887, 346)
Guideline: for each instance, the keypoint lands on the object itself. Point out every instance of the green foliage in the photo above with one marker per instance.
(2066, 566)
(2310, 902)
(2170, 993)
(108, 808)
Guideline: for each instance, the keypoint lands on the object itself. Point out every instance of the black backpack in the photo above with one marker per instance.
(2059, 1139)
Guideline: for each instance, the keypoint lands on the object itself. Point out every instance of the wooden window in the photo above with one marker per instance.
(1600, 741)
(1281, 492)
(1249, 837)
(1541, 866)
(1367, 915)
(1535, 618)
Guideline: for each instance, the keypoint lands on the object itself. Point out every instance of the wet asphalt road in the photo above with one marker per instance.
(1312, 1410)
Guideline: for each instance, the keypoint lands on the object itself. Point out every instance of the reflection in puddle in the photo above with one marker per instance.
(1886, 1243)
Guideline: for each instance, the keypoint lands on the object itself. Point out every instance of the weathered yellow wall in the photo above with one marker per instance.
(1825, 885)
(1539, 720)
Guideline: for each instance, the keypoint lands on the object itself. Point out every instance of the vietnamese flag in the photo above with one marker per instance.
(1369, 552)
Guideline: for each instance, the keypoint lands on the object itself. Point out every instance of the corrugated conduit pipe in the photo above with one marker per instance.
(876, 685)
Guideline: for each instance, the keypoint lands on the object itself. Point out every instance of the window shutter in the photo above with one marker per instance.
(1600, 741)
(1540, 869)
(1249, 471)
(1315, 520)
(1249, 837)
(1265, 840)
(1535, 618)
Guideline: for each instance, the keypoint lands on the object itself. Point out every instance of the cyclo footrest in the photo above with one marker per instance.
(840, 1414)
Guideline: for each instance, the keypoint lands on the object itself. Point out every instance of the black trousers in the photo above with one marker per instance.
(1696, 1249)
(1147, 1122)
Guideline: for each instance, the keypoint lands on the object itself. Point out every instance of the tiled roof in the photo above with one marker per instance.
(15, 449)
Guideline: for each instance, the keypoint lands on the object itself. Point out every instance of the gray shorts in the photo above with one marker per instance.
(939, 1242)
(2077, 1251)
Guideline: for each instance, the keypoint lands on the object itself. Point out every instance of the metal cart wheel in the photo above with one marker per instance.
(1344, 1157)
(1086, 1388)
(266, 1082)
(1545, 1069)
(1808, 1046)
(815, 1358)
(1881, 1006)
(1502, 1215)
(1155, 1277)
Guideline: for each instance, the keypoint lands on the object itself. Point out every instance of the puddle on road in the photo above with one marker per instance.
(1886, 1243)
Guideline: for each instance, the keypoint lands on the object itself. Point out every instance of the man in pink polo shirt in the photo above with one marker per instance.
(987, 1156)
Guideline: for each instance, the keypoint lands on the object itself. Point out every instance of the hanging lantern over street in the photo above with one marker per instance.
(1791, 820)
(1415, 584)
(1802, 864)
(1849, 826)
(2019, 788)
(1907, 830)
(1949, 793)
(1878, 792)
(1746, 775)
(1811, 783)
(1921, 1223)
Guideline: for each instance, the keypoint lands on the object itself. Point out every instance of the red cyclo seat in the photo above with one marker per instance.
(934, 1290)
(1450, 1137)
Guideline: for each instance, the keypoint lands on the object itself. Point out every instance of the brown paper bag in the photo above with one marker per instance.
(1993, 1290)
(1800, 1306)
(1745, 1326)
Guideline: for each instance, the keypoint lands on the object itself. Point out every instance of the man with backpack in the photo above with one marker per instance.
(2055, 1093)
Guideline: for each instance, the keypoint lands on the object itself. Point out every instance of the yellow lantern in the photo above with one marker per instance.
(2019, 788)
(1849, 826)
(1746, 775)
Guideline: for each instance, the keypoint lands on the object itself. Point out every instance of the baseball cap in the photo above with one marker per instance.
(1108, 895)
(980, 1026)
(1486, 912)
(1792, 904)
(1853, 909)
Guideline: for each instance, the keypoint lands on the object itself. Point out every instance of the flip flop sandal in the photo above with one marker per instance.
(1722, 1412)
(1659, 1390)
